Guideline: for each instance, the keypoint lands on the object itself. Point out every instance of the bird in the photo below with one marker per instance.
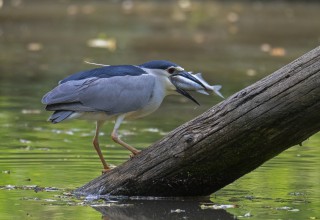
(115, 92)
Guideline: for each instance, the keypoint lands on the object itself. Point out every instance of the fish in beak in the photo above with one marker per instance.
(186, 81)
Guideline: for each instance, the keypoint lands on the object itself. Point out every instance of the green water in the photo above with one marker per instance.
(233, 44)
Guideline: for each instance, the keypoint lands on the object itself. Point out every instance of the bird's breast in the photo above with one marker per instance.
(155, 99)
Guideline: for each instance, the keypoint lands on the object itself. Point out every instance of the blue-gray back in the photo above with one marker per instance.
(106, 72)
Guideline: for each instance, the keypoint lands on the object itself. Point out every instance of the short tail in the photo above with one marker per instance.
(59, 116)
(216, 90)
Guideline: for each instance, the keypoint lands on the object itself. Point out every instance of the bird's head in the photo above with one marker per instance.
(176, 75)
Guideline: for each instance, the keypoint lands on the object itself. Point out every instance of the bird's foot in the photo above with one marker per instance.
(108, 168)
(105, 170)
(134, 153)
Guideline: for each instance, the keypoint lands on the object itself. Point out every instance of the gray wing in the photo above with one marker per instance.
(113, 95)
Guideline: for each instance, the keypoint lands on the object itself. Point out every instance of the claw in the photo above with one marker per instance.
(134, 153)
(104, 171)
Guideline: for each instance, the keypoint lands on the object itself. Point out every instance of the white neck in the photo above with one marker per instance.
(163, 79)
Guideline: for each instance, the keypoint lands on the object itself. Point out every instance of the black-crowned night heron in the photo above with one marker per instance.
(119, 92)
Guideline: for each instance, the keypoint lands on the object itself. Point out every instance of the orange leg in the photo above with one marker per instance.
(97, 147)
(116, 138)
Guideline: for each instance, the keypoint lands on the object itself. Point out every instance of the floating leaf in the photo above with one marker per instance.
(278, 52)
(184, 4)
(232, 17)
(251, 72)
(109, 43)
(217, 206)
(34, 46)
(25, 141)
(30, 111)
(178, 211)
(265, 47)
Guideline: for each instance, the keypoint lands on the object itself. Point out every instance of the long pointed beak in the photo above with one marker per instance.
(184, 93)
(188, 76)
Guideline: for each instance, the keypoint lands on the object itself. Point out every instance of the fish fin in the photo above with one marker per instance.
(199, 75)
(203, 92)
(216, 89)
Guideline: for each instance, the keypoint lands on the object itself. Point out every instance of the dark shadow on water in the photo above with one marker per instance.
(160, 209)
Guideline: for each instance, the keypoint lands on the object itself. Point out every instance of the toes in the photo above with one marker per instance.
(106, 170)
(136, 152)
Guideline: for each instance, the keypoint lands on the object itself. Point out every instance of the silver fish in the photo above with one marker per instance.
(189, 85)
(213, 88)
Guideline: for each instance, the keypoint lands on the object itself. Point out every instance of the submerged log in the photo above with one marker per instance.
(229, 140)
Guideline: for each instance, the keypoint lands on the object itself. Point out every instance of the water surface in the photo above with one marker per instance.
(233, 44)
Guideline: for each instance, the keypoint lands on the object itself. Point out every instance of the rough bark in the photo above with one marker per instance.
(227, 141)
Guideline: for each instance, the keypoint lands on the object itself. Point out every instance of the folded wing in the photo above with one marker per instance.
(113, 95)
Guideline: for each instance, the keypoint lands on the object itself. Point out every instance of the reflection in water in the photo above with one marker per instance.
(160, 209)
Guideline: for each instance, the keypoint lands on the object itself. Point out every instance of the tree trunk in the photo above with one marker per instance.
(229, 140)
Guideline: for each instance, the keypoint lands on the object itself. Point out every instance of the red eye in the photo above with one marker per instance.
(171, 70)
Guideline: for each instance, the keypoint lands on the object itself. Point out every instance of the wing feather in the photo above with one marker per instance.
(118, 94)
(67, 92)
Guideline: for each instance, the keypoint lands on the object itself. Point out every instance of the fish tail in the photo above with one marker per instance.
(216, 90)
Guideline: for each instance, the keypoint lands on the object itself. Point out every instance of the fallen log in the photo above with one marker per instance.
(227, 141)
